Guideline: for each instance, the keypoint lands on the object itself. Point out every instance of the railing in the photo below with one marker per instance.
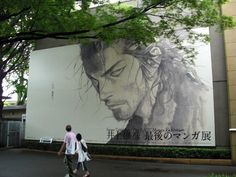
(232, 129)
(46, 140)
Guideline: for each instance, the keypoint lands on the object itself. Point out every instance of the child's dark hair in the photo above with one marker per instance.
(78, 136)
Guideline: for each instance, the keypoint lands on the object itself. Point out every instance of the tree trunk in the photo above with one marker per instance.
(1, 98)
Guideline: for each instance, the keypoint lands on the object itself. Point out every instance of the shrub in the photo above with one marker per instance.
(152, 151)
(221, 175)
(141, 151)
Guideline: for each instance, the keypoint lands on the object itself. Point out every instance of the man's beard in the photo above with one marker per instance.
(121, 115)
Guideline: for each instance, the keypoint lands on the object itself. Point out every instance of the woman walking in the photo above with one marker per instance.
(82, 155)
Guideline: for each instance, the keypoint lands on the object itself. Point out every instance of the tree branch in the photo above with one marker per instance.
(66, 35)
(11, 54)
(4, 17)
(16, 63)
(133, 16)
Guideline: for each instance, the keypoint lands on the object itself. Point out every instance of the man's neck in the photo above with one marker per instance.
(144, 109)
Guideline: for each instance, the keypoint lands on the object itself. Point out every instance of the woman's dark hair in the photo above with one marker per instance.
(78, 136)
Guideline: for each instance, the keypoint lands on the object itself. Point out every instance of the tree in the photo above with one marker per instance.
(18, 81)
(22, 22)
(13, 59)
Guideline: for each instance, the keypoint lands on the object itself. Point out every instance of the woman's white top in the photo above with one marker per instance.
(82, 156)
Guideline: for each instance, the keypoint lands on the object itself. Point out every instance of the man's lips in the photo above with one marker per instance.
(114, 105)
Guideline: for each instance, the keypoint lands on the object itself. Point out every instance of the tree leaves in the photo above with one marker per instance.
(22, 22)
(60, 19)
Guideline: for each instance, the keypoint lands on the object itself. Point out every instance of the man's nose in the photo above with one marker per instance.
(105, 91)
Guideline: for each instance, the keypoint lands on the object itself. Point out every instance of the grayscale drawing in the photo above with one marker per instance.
(160, 96)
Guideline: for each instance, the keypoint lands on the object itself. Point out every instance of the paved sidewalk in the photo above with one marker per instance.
(26, 163)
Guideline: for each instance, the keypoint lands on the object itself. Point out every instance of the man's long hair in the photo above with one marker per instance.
(161, 63)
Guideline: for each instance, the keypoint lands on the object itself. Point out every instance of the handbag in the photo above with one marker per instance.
(89, 156)
(83, 147)
(86, 151)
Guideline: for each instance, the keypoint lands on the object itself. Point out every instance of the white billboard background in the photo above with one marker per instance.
(59, 94)
(55, 98)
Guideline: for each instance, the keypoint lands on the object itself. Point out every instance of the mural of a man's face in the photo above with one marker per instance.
(118, 80)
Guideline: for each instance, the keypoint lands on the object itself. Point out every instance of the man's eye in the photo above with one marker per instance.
(117, 72)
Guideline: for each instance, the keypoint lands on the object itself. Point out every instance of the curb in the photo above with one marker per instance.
(5, 148)
(224, 162)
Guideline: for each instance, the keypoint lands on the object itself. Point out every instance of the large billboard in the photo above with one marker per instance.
(122, 93)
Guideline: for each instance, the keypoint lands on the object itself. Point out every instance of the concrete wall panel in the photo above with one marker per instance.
(221, 114)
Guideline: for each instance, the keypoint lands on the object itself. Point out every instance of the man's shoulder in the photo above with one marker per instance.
(70, 135)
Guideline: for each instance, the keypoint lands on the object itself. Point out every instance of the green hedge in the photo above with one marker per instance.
(172, 152)
(222, 175)
(142, 151)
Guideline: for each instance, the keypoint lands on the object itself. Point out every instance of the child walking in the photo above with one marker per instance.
(82, 155)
